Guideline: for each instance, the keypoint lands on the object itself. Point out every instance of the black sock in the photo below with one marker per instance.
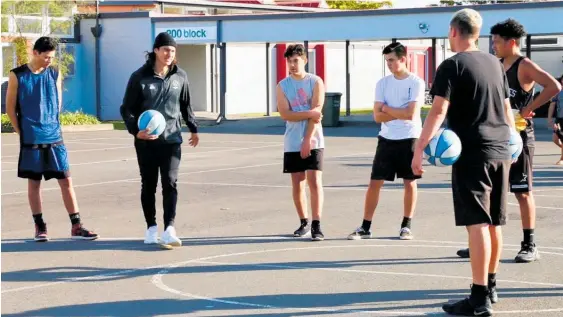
(479, 293)
(366, 224)
(492, 280)
(75, 218)
(316, 224)
(406, 222)
(528, 236)
(304, 221)
(38, 219)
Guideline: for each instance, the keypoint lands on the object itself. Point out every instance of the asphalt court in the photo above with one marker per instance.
(235, 216)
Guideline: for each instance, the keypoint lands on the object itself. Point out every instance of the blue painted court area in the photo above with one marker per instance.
(235, 218)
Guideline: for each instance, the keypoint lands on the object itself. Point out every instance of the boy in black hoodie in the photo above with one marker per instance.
(160, 85)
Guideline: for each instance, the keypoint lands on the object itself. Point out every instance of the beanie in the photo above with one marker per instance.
(164, 39)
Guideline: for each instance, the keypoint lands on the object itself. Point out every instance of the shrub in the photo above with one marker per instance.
(67, 118)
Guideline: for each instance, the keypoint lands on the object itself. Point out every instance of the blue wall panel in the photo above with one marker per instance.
(381, 26)
(77, 88)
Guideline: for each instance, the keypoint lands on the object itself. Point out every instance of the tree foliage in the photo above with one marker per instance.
(358, 4)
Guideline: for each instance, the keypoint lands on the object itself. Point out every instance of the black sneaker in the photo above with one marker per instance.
(493, 295)
(467, 308)
(41, 233)
(302, 231)
(528, 253)
(78, 232)
(360, 233)
(317, 235)
(463, 253)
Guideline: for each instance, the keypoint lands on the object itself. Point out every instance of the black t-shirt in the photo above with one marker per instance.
(476, 86)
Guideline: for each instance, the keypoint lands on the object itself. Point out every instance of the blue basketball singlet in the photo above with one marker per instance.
(42, 151)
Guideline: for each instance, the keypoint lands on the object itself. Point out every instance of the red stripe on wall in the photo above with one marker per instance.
(320, 55)
(281, 65)
(431, 67)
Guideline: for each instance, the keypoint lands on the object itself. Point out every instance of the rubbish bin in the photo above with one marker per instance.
(331, 109)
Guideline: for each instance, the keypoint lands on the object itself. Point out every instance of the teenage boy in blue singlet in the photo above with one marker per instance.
(33, 104)
(300, 98)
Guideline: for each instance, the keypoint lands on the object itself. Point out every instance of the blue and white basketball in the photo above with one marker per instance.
(515, 143)
(153, 121)
(444, 148)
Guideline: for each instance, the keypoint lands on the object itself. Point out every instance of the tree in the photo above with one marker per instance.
(358, 4)
(27, 17)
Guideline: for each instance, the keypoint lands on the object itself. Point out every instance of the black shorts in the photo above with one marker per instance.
(393, 157)
(521, 174)
(559, 132)
(43, 161)
(293, 163)
(480, 192)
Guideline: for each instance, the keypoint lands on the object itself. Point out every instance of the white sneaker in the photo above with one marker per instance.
(151, 235)
(405, 234)
(169, 237)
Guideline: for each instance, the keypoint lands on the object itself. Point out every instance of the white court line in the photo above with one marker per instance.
(185, 173)
(341, 188)
(547, 190)
(157, 281)
(138, 179)
(131, 138)
(170, 266)
(375, 272)
(85, 150)
(187, 156)
(88, 163)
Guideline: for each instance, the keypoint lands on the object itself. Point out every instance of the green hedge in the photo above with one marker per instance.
(67, 118)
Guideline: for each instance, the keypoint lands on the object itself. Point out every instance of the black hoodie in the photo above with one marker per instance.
(169, 95)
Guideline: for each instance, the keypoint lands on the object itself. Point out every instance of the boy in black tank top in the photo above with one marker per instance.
(522, 75)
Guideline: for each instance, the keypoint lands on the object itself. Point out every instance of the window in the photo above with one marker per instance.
(66, 55)
(169, 9)
(28, 25)
(542, 41)
(60, 26)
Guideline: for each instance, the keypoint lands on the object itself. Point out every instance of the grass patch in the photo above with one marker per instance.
(6, 124)
(66, 118)
(365, 111)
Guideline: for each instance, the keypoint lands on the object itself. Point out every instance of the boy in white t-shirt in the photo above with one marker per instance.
(398, 100)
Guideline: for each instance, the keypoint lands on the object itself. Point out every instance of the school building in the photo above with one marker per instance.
(235, 61)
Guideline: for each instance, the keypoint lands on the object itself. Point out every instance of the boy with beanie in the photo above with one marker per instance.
(162, 86)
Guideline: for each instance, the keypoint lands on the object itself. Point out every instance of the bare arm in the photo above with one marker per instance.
(316, 105)
(403, 113)
(550, 85)
(509, 114)
(60, 91)
(11, 97)
(416, 99)
(285, 111)
(550, 112)
(378, 115)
